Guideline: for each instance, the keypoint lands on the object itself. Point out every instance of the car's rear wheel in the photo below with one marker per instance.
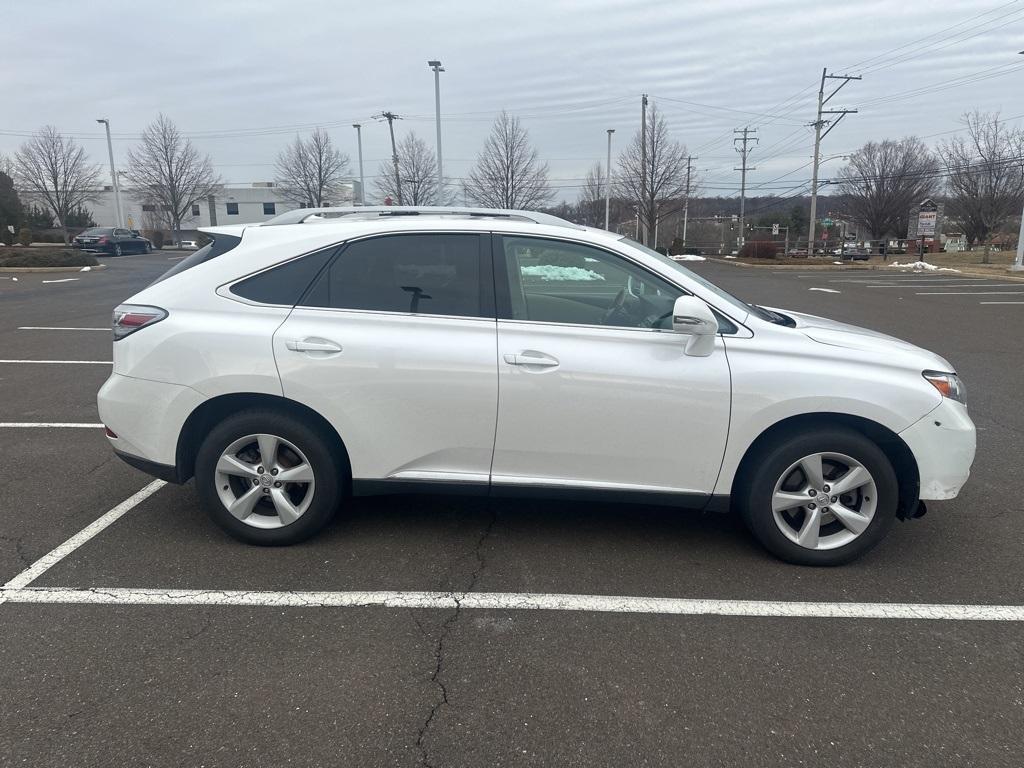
(146, 248)
(820, 498)
(268, 478)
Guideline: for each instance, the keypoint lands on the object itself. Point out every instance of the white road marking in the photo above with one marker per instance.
(967, 293)
(825, 290)
(57, 328)
(43, 564)
(62, 280)
(1001, 302)
(517, 601)
(45, 424)
(61, 362)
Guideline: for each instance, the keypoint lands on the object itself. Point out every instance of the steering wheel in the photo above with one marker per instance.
(617, 314)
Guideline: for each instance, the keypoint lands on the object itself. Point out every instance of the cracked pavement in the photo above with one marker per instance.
(437, 676)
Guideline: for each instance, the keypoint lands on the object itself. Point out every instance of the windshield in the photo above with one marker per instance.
(98, 231)
(735, 303)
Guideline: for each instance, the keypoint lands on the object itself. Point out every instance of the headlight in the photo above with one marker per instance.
(948, 384)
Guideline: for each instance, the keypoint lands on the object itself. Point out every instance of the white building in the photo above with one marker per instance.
(230, 204)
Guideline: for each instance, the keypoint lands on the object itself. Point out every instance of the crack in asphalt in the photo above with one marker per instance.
(19, 549)
(439, 648)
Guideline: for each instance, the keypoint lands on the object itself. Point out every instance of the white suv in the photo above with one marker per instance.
(341, 352)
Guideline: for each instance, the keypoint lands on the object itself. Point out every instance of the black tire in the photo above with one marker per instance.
(117, 249)
(146, 248)
(754, 497)
(329, 479)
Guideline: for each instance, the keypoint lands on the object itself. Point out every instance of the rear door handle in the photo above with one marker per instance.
(312, 345)
(531, 359)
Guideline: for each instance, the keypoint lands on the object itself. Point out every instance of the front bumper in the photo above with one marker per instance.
(943, 443)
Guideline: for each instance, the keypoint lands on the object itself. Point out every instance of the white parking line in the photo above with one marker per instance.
(43, 564)
(60, 362)
(57, 328)
(506, 601)
(63, 280)
(1001, 302)
(43, 425)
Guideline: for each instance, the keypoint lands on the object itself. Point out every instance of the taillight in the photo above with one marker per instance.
(103, 240)
(128, 318)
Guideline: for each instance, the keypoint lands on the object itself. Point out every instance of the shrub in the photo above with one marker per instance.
(46, 257)
(155, 236)
(759, 249)
(25, 236)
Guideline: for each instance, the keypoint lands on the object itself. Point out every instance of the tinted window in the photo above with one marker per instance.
(284, 284)
(554, 281)
(98, 231)
(222, 244)
(428, 274)
(232, 209)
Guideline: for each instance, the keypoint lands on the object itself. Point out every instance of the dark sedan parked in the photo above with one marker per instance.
(112, 241)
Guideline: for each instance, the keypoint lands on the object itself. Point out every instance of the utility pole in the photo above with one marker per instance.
(391, 117)
(359, 144)
(745, 138)
(819, 123)
(643, 165)
(113, 174)
(1018, 263)
(438, 69)
(686, 204)
(608, 180)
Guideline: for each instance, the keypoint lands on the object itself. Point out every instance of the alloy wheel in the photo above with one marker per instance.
(824, 501)
(264, 481)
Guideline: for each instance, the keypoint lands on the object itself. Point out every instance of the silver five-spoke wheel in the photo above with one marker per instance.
(824, 501)
(264, 481)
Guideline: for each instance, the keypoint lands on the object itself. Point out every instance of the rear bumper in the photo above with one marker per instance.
(166, 472)
(147, 417)
(944, 443)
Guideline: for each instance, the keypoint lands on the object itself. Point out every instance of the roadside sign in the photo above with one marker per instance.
(10, 228)
(775, 229)
(131, 223)
(926, 223)
(826, 222)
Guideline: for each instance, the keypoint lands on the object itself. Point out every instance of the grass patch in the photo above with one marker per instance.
(45, 257)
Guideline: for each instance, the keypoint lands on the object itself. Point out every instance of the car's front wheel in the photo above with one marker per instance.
(820, 498)
(268, 478)
(117, 249)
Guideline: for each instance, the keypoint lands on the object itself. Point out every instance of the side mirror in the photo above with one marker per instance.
(694, 318)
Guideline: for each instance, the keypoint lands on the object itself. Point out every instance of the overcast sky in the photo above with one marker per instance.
(242, 77)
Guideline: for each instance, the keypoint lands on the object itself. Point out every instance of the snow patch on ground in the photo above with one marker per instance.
(921, 266)
(825, 290)
(730, 257)
(837, 262)
(694, 257)
(85, 269)
(552, 272)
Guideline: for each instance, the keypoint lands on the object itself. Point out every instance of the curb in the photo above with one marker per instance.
(96, 268)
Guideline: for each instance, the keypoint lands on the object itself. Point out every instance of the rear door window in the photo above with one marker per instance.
(220, 245)
(433, 274)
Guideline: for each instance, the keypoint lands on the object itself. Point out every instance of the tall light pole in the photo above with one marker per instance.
(113, 173)
(608, 180)
(438, 69)
(359, 144)
(1018, 263)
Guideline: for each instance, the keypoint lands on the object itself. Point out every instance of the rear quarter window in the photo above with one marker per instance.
(285, 283)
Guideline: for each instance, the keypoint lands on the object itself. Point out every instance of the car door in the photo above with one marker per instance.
(596, 391)
(395, 345)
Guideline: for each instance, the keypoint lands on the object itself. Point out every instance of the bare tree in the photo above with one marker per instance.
(6, 165)
(883, 180)
(663, 188)
(166, 171)
(508, 173)
(591, 200)
(985, 175)
(310, 171)
(56, 172)
(417, 171)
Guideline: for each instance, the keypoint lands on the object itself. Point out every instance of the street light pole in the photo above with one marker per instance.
(113, 174)
(1018, 263)
(438, 69)
(608, 180)
(359, 144)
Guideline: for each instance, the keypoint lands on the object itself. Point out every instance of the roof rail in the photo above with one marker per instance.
(303, 215)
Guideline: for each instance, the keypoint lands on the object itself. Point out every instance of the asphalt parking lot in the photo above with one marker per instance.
(160, 641)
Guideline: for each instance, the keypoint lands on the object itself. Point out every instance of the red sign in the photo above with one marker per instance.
(387, 200)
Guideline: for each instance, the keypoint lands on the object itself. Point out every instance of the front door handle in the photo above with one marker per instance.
(312, 345)
(531, 359)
